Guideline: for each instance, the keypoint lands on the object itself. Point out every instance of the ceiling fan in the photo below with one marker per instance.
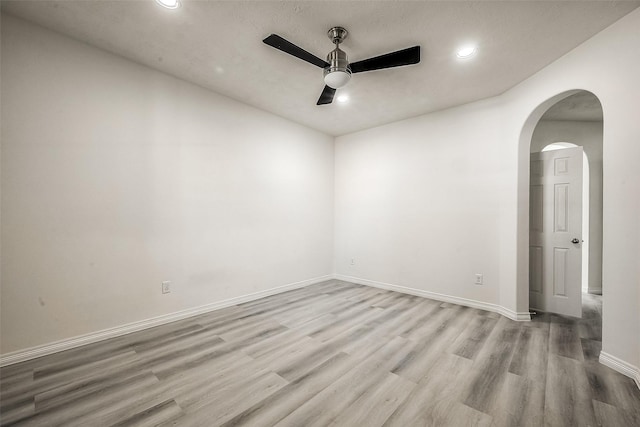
(337, 69)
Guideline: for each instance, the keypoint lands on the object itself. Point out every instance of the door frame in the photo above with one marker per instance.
(586, 210)
(547, 239)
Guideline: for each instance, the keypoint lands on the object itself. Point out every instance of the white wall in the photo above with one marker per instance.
(417, 203)
(426, 202)
(588, 135)
(116, 177)
(604, 67)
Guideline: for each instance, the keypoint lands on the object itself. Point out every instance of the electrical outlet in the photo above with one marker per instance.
(166, 287)
(478, 279)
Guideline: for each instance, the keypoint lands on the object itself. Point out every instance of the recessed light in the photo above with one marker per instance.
(342, 98)
(466, 52)
(169, 4)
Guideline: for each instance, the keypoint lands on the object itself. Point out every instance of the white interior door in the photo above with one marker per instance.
(555, 231)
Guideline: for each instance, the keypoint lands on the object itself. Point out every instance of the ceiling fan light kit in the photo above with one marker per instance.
(337, 69)
(338, 73)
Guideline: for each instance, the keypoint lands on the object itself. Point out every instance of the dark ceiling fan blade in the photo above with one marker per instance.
(278, 42)
(394, 59)
(327, 96)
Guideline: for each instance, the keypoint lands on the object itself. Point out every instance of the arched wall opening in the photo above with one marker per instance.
(530, 142)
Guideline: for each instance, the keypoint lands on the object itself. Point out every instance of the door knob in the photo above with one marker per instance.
(574, 240)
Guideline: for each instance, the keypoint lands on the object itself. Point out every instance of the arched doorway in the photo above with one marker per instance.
(573, 119)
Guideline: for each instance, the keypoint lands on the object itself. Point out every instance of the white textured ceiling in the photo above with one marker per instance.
(218, 45)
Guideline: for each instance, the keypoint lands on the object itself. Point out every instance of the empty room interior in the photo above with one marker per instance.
(320, 213)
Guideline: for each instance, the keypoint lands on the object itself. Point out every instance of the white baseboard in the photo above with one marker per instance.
(42, 350)
(78, 341)
(621, 366)
(439, 297)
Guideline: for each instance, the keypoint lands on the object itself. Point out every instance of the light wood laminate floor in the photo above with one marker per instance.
(332, 354)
